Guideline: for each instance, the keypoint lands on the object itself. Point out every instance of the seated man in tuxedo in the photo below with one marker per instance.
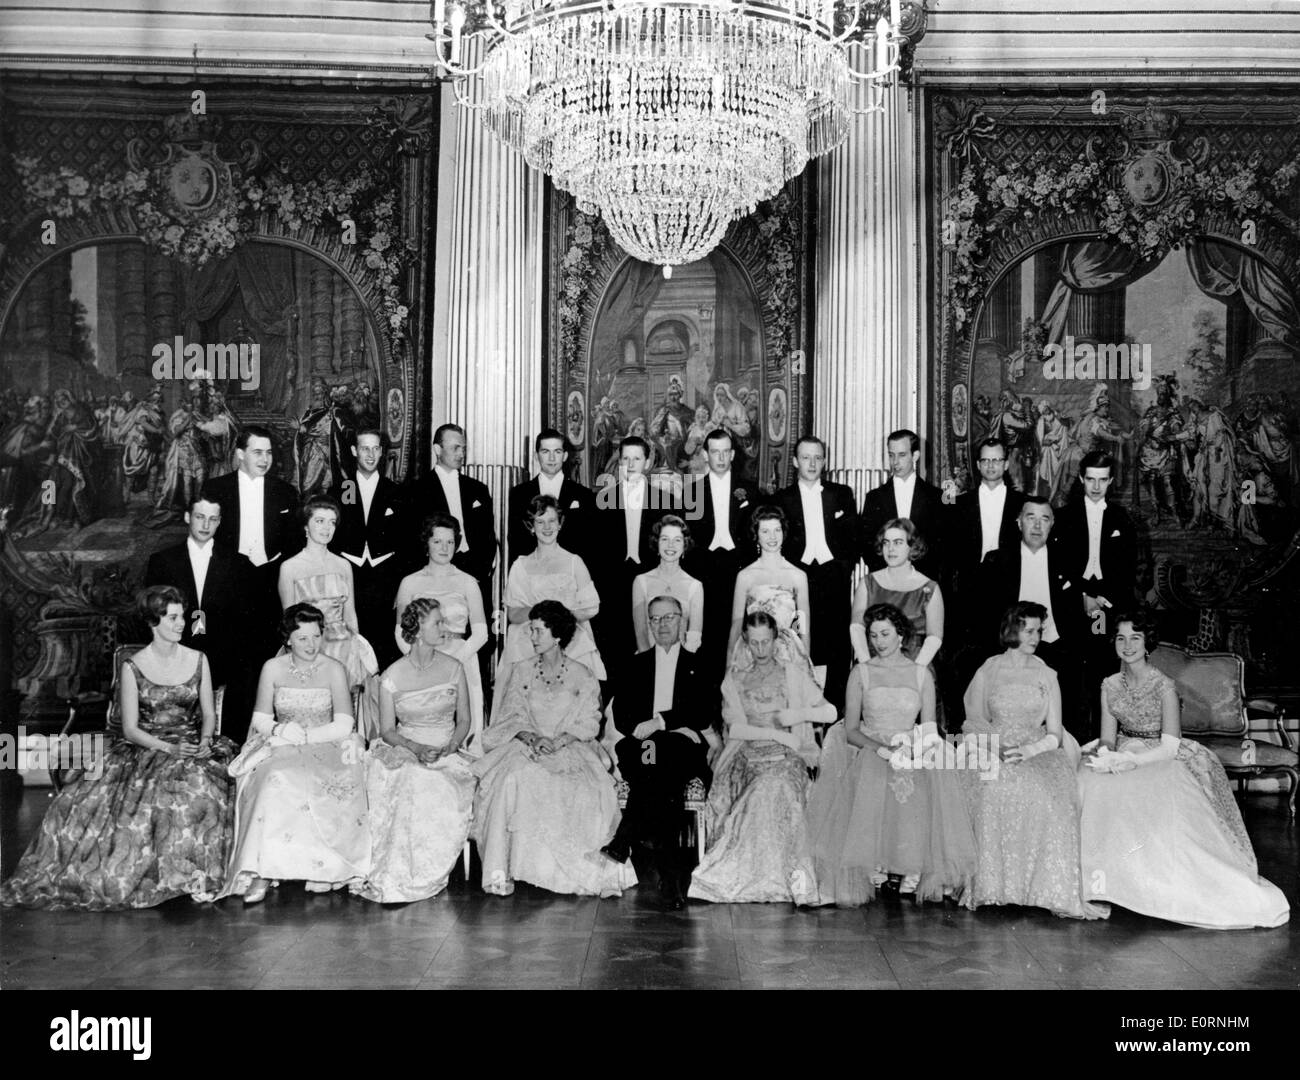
(662, 707)
(1032, 569)
(904, 495)
(1097, 539)
(576, 502)
(260, 522)
(217, 586)
(822, 541)
(373, 534)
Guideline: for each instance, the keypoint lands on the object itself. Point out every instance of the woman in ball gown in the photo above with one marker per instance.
(773, 584)
(152, 820)
(1025, 808)
(759, 849)
(671, 537)
(300, 806)
(419, 787)
(1160, 831)
(549, 572)
(884, 804)
(901, 585)
(546, 804)
(463, 621)
(319, 577)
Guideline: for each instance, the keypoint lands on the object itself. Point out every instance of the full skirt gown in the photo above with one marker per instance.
(544, 818)
(149, 827)
(300, 811)
(1167, 839)
(419, 814)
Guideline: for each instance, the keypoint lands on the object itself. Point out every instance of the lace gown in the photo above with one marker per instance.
(419, 814)
(544, 821)
(1167, 839)
(300, 811)
(1026, 815)
(455, 621)
(864, 815)
(148, 827)
(759, 849)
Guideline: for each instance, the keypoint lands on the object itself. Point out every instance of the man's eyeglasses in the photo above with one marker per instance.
(993, 461)
(655, 620)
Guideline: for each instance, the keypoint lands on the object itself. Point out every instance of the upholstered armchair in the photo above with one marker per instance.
(1216, 712)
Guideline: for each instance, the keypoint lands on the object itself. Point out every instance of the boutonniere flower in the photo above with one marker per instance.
(740, 495)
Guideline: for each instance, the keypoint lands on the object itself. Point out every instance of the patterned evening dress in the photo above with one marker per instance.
(419, 814)
(1026, 815)
(329, 592)
(544, 820)
(300, 811)
(1167, 839)
(779, 602)
(864, 815)
(149, 827)
(759, 850)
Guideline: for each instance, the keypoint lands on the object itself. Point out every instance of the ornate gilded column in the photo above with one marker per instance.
(865, 374)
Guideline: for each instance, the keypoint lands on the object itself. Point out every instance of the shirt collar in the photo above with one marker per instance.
(987, 492)
(449, 474)
(814, 488)
(244, 478)
(202, 550)
(668, 654)
(1094, 507)
(1027, 553)
(908, 482)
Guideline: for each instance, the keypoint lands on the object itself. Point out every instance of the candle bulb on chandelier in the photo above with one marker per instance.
(882, 44)
(668, 272)
(437, 14)
(457, 21)
(895, 15)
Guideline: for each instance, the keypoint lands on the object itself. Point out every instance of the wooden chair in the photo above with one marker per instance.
(1216, 712)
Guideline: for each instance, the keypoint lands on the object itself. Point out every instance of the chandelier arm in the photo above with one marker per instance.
(454, 70)
(851, 27)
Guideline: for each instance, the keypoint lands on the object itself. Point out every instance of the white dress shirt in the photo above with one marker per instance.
(200, 560)
(816, 550)
(252, 501)
(450, 481)
(720, 491)
(903, 491)
(1094, 512)
(633, 504)
(550, 485)
(367, 486)
(992, 503)
(1035, 585)
(665, 673)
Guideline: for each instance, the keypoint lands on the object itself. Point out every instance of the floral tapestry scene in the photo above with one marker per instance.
(719, 344)
(178, 264)
(1118, 272)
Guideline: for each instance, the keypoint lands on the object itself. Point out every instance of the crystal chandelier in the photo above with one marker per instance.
(669, 118)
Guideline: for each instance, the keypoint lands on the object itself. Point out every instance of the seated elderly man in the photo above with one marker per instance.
(663, 707)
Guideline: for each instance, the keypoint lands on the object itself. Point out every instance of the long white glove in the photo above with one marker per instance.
(815, 714)
(1166, 751)
(336, 729)
(929, 649)
(1039, 746)
(858, 637)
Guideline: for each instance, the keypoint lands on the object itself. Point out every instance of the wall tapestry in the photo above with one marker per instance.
(180, 262)
(719, 344)
(1117, 270)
